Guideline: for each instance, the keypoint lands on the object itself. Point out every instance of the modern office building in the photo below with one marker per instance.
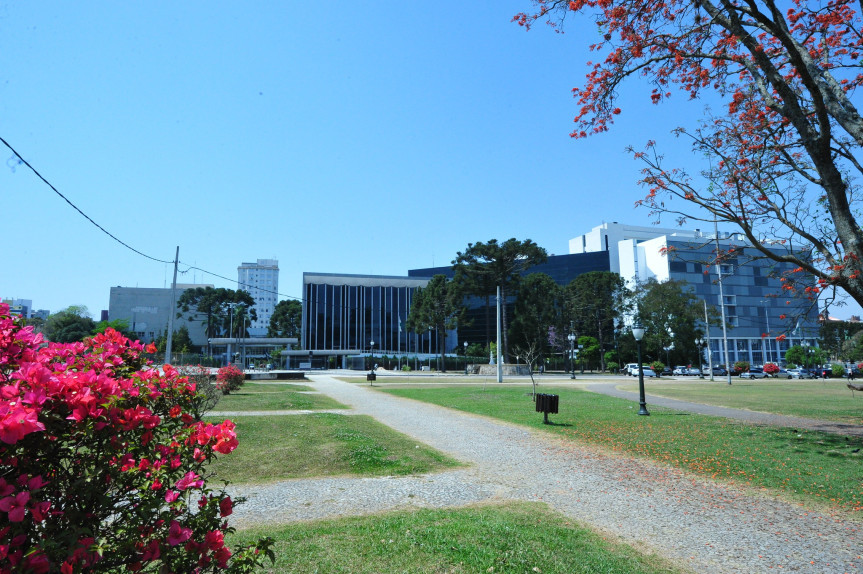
(480, 326)
(261, 281)
(345, 314)
(762, 320)
(147, 311)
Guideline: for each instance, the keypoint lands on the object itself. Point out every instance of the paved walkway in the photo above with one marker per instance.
(702, 525)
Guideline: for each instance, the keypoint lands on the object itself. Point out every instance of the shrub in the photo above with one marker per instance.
(612, 366)
(230, 378)
(406, 367)
(740, 367)
(657, 367)
(103, 462)
(208, 393)
(771, 368)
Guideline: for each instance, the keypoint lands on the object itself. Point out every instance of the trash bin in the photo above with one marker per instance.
(546, 404)
(371, 377)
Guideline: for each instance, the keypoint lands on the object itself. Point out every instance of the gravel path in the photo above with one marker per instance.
(704, 526)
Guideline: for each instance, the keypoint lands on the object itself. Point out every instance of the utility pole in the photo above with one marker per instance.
(173, 309)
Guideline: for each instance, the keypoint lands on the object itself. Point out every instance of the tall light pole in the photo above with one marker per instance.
(767, 340)
(571, 339)
(698, 344)
(638, 333)
(465, 357)
(372, 350)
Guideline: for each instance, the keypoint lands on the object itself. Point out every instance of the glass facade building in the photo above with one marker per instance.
(349, 312)
(481, 326)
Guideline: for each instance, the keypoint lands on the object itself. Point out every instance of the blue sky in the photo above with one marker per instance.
(338, 138)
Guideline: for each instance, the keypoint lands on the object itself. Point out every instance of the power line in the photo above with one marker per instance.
(75, 207)
(118, 240)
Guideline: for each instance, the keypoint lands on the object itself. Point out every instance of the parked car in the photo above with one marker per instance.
(753, 373)
(694, 371)
(717, 371)
(800, 373)
(633, 370)
(780, 374)
(666, 372)
(679, 370)
(630, 369)
(824, 372)
(647, 371)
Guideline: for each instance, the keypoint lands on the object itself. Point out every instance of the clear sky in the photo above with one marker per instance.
(365, 138)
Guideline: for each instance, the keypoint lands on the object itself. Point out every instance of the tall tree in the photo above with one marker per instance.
(217, 306)
(537, 310)
(670, 313)
(69, 325)
(436, 306)
(782, 150)
(593, 303)
(493, 264)
(286, 320)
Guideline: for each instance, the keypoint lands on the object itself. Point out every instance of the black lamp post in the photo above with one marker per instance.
(465, 357)
(699, 342)
(638, 333)
(372, 352)
(571, 338)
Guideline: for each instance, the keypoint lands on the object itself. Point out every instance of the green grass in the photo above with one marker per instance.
(276, 448)
(518, 537)
(803, 465)
(275, 397)
(825, 399)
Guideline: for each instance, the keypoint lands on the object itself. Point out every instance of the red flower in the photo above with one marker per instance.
(226, 506)
(151, 348)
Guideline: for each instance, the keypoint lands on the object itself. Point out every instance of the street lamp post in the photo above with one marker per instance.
(372, 350)
(465, 357)
(698, 345)
(571, 338)
(638, 333)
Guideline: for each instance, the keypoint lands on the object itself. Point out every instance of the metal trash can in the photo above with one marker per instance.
(546, 404)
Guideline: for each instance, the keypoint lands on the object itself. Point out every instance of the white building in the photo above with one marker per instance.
(762, 319)
(261, 281)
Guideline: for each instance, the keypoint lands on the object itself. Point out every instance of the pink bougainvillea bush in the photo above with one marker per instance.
(230, 378)
(103, 462)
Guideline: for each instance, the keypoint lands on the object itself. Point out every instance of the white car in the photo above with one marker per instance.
(646, 371)
(680, 370)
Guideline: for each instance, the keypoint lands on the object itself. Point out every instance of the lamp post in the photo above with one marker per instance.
(571, 339)
(638, 333)
(698, 345)
(465, 357)
(372, 351)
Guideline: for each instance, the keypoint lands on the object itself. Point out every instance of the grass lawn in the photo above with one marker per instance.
(826, 399)
(275, 397)
(803, 465)
(518, 537)
(276, 448)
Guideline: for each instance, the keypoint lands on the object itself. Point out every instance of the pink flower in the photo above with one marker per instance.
(177, 534)
(171, 496)
(17, 422)
(191, 480)
(15, 506)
